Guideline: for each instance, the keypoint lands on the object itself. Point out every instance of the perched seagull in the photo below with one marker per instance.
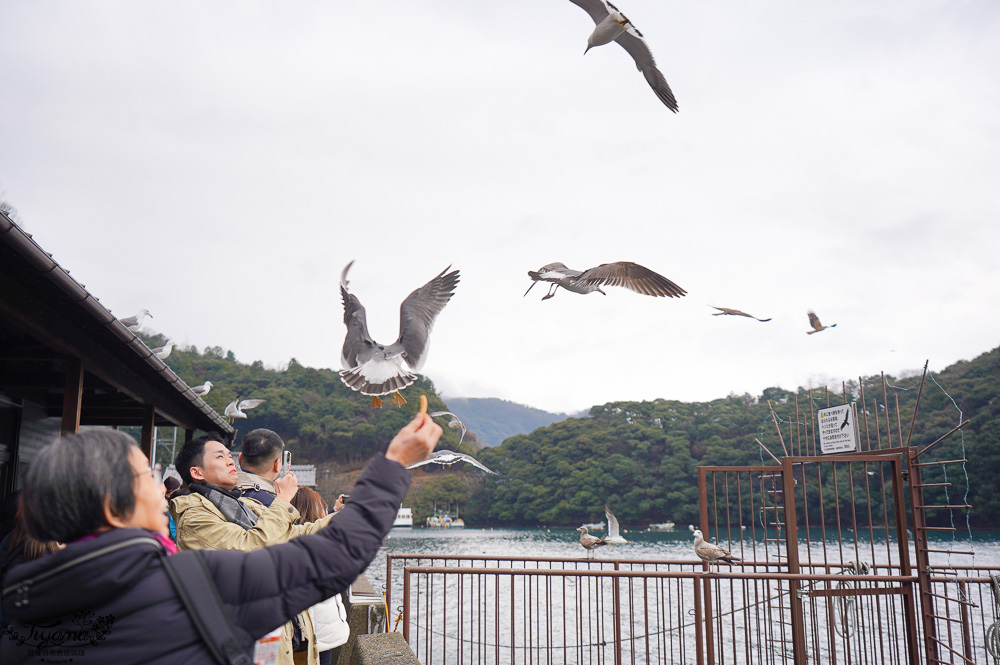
(612, 25)
(448, 457)
(376, 369)
(162, 352)
(623, 273)
(590, 543)
(454, 423)
(735, 312)
(709, 552)
(613, 537)
(236, 408)
(203, 389)
(817, 326)
(133, 323)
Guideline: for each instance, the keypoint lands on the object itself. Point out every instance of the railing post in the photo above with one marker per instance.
(792, 552)
(616, 598)
(709, 650)
(406, 604)
(923, 561)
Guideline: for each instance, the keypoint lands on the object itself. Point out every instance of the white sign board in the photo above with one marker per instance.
(838, 429)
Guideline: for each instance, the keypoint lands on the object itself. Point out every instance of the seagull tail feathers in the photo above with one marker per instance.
(360, 379)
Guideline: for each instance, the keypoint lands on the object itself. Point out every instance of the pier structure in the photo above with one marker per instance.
(839, 563)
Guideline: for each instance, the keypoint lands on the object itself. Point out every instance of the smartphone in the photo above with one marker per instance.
(286, 462)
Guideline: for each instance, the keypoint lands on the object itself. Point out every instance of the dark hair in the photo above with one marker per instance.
(171, 483)
(310, 505)
(69, 481)
(191, 454)
(260, 448)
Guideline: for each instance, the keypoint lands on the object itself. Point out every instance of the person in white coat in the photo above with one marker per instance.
(329, 617)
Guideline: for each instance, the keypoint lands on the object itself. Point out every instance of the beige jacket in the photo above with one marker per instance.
(200, 525)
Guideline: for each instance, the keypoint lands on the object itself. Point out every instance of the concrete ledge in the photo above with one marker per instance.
(384, 648)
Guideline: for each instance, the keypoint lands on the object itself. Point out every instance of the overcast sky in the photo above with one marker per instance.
(218, 163)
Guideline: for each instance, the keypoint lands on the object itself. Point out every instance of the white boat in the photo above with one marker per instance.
(404, 519)
(594, 526)
(442, 520)
(662, 526)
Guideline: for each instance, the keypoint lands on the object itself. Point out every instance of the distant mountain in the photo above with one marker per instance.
(493, 420)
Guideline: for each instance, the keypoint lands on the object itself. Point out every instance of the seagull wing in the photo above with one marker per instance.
(597, 9)
(231, 409)
(130, 321)
(632, 276)
(612, 523)
(251, 403)
(358, 344)
(417, 314)
(455, 423)
(631, 40)
(814, 321)
(476, 463)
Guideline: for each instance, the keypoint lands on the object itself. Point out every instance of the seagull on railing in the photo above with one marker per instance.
(376, 369)
(236, 408)
(623, 273)
(162, 352)
(454, 423)
(817, 326)
(735, 312)
(133, 323)
(590, 543)
(448, 457)
(709, 552)
(203, 389)
(612, 25)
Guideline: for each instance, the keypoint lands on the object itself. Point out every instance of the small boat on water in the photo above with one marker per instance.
(594, 526)
(662, 526)
(404, 519)
(442, 520)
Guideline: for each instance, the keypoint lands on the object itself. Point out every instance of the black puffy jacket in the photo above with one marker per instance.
(108, 599)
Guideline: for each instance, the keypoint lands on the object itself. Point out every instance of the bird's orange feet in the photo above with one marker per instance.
(376, 402)
(398, 400)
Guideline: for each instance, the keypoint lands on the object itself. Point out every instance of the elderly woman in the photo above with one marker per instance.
(107, 597)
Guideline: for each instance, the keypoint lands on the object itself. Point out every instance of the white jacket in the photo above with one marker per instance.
(330, 623)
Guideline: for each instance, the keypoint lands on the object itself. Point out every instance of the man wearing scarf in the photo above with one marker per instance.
(212, 514)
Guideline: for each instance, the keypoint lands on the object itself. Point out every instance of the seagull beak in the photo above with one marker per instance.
(586, 49)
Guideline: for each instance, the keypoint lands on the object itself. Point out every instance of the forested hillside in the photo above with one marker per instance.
(639, 457)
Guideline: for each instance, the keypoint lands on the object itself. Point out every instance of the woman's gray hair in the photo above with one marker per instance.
(69, 481)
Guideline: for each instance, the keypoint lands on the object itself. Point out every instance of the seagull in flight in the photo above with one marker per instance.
(377, 369)
(735, 312)
(613, 537)
(133, 323)
(162, 352)
(709, 552)
(454, 423)
(816, 325)
(623, 273)
(236, 408)
(612, 25)
(448, 457)
(203, 389)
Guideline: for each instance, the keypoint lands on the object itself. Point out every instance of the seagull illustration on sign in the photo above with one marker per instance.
(623, 273)
(847, 417)
(375, 369)
(612, 25)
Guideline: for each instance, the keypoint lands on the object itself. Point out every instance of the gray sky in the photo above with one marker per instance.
(218, 163)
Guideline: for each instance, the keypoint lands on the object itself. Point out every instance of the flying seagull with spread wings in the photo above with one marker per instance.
(735, 312)
(614, 536)
(454, 423)
(623, 273)
(235, 409)
(612, 25)
(448, 457)
(816, 325)
(377, 369)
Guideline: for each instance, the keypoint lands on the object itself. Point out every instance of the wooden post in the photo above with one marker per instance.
(148, 420)
(72, 397)
(188, 435)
